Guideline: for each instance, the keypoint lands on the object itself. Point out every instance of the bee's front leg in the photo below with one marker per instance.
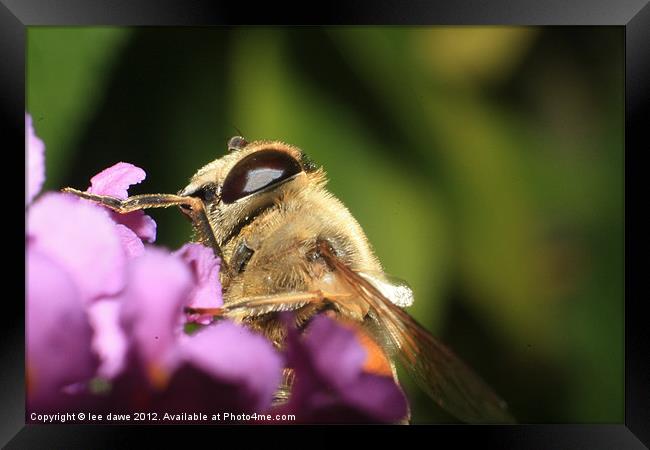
(191, 206)
(265, 304)
(138, 202)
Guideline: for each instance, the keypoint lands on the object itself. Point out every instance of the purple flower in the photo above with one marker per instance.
(91, 245)
(223, 367)
(35, 161)
(152, 310)
(136, 225)
(236, 356)
(206, 291)
(109, 341)
(116, 180)
(58, 333)
(74, 257)
(82, 239)
(331, 384)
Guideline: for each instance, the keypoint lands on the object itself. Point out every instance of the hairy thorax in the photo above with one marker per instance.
(276, 253)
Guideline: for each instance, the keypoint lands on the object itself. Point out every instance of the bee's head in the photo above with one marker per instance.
(250, 178)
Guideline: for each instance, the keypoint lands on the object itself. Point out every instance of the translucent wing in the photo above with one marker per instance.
(441, 374)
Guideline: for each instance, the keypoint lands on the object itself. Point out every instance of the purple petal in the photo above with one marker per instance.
(152, 311)
(109, 340)
(58, 333)
(378, 397)
(142, 225)
(116, 180)
(234, 356)
(207, 287)
(335, 351)
(131, 243)
(35, 161)
(331, 385)
(82, 239)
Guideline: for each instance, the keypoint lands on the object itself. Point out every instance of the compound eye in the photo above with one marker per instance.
(207, 193)
(258, 171)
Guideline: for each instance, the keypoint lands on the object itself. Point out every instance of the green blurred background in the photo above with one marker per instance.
(484, 163)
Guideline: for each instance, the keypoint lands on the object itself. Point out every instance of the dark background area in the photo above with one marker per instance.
(484, 163)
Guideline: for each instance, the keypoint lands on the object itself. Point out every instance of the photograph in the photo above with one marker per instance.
(325, 225)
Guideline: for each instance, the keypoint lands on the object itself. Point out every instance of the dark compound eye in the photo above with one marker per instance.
(207, 193)
(258, 171)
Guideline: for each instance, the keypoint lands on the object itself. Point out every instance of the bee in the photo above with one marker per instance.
(287, 244)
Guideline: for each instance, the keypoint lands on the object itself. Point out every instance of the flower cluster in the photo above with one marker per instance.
(106, 327)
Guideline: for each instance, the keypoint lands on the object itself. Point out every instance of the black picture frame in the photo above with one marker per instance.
(633, 15)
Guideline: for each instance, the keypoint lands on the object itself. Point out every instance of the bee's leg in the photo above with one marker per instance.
(191, 206)
(265, 304)
(138, 202)
(283, 393)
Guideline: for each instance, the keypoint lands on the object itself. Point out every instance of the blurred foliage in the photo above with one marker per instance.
(484, 163)
(67, 72)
